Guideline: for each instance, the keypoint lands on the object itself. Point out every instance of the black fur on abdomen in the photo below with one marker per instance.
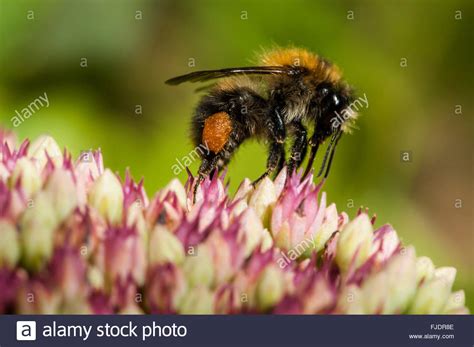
(246, 109)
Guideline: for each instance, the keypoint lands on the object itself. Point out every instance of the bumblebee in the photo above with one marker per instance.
(289, 90)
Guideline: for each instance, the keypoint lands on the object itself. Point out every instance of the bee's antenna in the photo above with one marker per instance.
(329, 153)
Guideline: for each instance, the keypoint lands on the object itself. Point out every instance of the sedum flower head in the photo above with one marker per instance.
(81, 240)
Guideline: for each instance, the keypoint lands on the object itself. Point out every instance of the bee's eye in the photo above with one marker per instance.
(324, 91)
(335, 99)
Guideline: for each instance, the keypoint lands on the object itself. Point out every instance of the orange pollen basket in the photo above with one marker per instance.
(217, 129)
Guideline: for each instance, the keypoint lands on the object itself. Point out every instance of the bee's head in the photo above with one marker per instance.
(331, 102)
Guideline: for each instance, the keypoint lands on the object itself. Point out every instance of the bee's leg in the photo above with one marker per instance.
(299, 148)
(277, 126)
(276, 155)
(224, 157)
(207, 165)
(277, 132)
(314, 143)
(280, 165)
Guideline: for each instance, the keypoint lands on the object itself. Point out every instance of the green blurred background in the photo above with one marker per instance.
(132, 46)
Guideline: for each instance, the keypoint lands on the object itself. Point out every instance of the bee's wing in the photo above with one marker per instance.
(201, 76)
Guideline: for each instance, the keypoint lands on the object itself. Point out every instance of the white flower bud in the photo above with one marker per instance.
(95, 277)
(197, 301)
(29, 176)
(199, 268)
(455, 303)
(424, 268)
(328, 227)
(350, 300)
(176, 187)
(62, 191)
(37, 227)
(4, 173)
(135, 217)
(280, 182)
(87, 169)
(106, 196)
(263, 199)
(244, 190)
(270, 288)
(241, 197)
(448, 274)
(10, 245)
(354, 242)
(239, 207)
(131, 308)
(390, 290)
(42, 145)
(386, 245)
(267, 240)
(282, 239)
(252, 230)
(165, 247)
(432, 296)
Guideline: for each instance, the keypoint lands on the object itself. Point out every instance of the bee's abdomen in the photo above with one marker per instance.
(225, 118)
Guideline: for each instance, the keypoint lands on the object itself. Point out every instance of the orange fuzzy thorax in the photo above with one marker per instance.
(319, 67)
